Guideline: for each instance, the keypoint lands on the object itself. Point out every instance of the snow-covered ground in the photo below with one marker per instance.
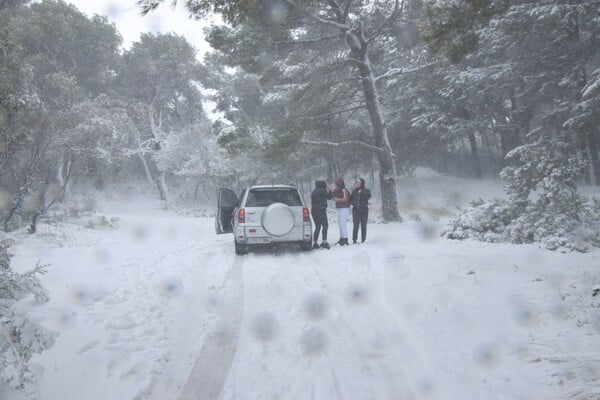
(151, 304)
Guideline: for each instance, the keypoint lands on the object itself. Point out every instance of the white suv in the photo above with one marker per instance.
(263, 215)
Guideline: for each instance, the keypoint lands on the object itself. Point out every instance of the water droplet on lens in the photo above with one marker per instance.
(357, 294)
(486, 355)
(170, 286)
(316, 306)
(264, 327)
(313, 341)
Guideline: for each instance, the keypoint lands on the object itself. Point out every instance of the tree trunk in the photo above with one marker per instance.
(206, 192)
(387, 169)
(333, 170)
(34, 219)
(595, 161)
(476, 161)
(511, 137)
(146, 169)
(583, 143)
(66, 193)
(60, 180)
(155, 128)
(161, 183)
(197, 189)
(63, 165)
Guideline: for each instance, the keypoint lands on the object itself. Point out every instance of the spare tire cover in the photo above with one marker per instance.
(277, 219)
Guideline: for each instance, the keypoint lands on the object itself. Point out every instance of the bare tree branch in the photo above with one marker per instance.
(354, 61)
(393, 16)
(312, 41)
(348, 143)
(63, 188)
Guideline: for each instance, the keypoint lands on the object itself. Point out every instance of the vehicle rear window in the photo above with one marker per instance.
(266, 197)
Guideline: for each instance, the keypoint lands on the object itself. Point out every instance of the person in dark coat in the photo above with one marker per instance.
(359, 199)
(318, 202)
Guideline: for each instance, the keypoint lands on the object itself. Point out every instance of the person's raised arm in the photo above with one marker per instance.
(346, 197)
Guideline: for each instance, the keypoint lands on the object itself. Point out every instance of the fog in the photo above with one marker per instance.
(475, 126)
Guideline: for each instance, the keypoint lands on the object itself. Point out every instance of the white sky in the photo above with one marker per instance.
(125, 14)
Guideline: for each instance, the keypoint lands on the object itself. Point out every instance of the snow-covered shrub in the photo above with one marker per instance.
(20, 337)
(543, 205)
(102, 222)
(485, 221)
(51, 212)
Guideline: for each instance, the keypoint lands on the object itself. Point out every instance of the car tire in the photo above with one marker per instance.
(306, 246)
(240, 249)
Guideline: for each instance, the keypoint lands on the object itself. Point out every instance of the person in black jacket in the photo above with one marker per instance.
(318, 200)
(359, 199)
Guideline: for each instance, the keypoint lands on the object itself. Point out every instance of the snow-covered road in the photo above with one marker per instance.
(154, 305)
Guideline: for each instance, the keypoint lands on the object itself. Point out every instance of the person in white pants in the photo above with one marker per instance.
(341, 197)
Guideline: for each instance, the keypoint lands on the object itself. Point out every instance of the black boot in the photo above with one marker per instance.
(315, 245)
(325, 245)
(345, 242)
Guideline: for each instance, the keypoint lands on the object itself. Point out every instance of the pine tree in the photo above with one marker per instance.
(321, 54)
(534, 62)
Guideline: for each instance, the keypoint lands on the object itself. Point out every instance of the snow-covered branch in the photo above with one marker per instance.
(401, 71)
(331, 114)
(348, 143)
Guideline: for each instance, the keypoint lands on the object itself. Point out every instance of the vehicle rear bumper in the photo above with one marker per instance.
(250, 235)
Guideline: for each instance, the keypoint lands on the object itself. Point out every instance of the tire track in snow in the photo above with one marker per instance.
(379, 326)
(353, 372)
(212, 367)
(172, 369)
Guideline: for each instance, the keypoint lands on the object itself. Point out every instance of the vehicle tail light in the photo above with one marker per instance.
(305, 215)
(242, 216)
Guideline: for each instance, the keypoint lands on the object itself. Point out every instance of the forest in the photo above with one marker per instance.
(292, 91)
(303, 90)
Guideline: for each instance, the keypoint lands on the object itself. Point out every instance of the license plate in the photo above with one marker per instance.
(259, 240)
